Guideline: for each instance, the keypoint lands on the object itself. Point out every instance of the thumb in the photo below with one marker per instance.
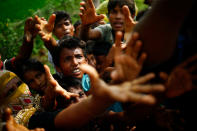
(100, 17)
(91, 71)
(48, 73)
(7, 114)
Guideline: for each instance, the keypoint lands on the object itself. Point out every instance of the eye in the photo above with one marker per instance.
(81, 94)
(38, 75)
(79, 56)
(67, 23)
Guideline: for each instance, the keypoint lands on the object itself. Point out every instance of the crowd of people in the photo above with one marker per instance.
(112, 73)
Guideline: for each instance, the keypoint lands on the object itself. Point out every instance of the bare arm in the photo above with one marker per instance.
(28, 40)
(88, 17)
(103, 95)
(160, 27)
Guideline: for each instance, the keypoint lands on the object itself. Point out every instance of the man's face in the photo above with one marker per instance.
(36, 80)
(63, 28)
(70, 59)
(116, 18)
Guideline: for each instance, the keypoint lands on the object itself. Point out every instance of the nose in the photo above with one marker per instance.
(75, 62)
(64, 27)
(37, 82)
(119, 14)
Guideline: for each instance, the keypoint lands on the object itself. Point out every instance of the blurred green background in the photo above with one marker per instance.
(13, 14)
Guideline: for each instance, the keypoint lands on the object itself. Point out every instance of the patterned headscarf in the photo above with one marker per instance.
(15, 94)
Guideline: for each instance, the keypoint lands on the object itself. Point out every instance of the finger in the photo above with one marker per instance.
(28, 21)
(127, 13)
(37, 19)
(118, 40)
(142, 58)
(136, 48)
(51, 21)
(82, 4)
(91, 71)
(131, 42)
(7, 114)
(90, 4)
(73, 95)
(100, 17)
(38, 27)
(41, 33)
(42, 18)
(142, 98)
(48, 73)
(143, 79)
(163, 76)
(82, 10)
(148, 88)
(130, 96)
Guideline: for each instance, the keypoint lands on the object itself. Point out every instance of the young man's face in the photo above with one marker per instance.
(116, 18)
(36, 80)
(63, 28)
(70, 59)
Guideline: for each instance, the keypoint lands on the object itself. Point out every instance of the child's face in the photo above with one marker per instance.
(70, 59)
(36, 80)
(116, 18)
(63, 28)
(79, 91)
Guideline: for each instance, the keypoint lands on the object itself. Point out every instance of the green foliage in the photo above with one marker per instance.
(13, 19)
(10, 39)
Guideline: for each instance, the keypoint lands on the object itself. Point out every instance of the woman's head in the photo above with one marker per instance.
(13, 92)
(33, 74)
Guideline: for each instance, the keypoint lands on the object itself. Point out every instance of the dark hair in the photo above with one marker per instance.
(113, 3)
(68, 42)
(61, 15)
(77, 23)
(101, 48)
(30, 65)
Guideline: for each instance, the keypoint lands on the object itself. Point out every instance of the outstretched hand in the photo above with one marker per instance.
(181, 78)
(30, 31)
(134, 91)
(88, 13)
(45, 27)
(128, 64)
(56, 87)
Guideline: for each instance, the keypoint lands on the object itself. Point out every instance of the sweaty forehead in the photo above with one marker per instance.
(72, 51)
(63, 21)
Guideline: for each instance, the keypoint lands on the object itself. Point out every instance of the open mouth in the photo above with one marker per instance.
(118, 24)
(76, 71)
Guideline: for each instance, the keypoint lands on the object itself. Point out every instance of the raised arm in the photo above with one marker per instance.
(45, 29)
(88, 17)
(26, 48)
(159, 28)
